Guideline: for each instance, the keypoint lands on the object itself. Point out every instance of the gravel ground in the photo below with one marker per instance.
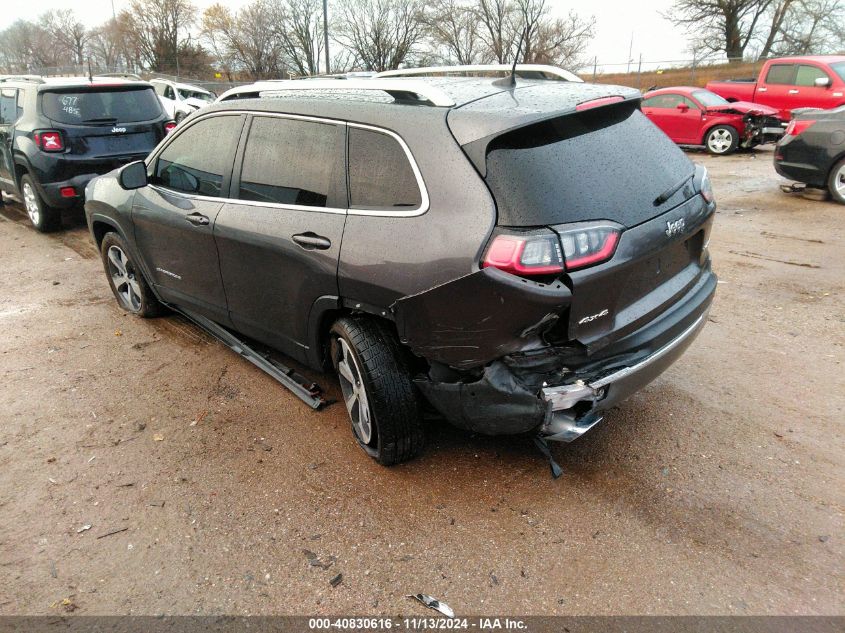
(146, 469)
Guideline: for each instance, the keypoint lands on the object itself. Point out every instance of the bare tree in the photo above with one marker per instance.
(244, 41)
(812, 26)
(157, 29)
(453, 29)
(381, 33)
(69, 34)
(560, 42)
(720, 25)
(496, 28)
(299, 28)
(105, 44)
(27, 47)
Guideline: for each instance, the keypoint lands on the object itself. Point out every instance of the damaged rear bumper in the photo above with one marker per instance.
(543, 391)
(563, 422)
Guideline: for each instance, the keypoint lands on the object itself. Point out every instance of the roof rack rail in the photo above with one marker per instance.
(399, 89)
(38, 79)
(542, 70)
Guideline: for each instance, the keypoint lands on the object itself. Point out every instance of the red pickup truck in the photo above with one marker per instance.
(789, 83)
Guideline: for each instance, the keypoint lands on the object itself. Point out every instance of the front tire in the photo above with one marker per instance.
(721, 140)
(43, 217)
(836, 182)
(126, 280)
(380, 397)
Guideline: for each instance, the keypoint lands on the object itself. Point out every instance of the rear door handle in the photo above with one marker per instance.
(311, 241)
(197, 219)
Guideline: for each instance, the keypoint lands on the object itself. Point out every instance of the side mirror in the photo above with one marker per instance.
(683, 107)
(133, 175)
(822, 82)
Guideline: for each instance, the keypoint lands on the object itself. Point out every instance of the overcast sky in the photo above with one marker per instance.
(616, 22)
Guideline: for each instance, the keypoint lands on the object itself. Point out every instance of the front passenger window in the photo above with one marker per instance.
(807, 75)
(200, 158)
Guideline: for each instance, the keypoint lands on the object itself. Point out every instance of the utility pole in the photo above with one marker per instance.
(326, 33)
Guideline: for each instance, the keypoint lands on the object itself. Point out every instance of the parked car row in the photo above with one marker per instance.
(57, 134)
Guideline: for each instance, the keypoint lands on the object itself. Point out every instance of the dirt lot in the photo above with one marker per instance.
(719, 489)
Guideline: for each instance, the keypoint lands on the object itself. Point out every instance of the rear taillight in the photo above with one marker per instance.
(588, 246)
(796, 126)
(525, 254)
(49, 140)
(169, 127)
(67, 192)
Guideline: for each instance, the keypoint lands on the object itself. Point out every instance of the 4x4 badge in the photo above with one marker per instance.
(673, 228)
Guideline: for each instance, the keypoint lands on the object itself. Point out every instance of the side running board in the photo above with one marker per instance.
(309, 392)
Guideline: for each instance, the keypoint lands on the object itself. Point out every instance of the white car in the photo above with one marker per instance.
(180, 100)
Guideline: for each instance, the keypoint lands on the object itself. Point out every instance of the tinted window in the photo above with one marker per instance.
(547, 173)
(780, 74)
(380, 176)
(8, 106)
(118, 106)
(198, 160)
(288, 161)
(807, 75)
(668, 101)
(839, 69)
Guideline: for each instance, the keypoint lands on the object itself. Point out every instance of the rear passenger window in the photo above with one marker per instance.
(289, 161)
(200, 158)
(807, 75)
(780, 74)
(8, 106)
(380, 176)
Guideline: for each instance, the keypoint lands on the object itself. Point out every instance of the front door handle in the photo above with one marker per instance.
(197, 219)
(793, 92)
(311, 241)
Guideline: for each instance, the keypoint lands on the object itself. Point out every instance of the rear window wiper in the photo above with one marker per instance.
(671, 191)
(105, 119)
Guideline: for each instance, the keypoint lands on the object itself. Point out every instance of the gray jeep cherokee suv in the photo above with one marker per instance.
(519, 258)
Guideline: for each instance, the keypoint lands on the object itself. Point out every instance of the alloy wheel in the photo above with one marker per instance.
(720, 141)
(839, 181)
(123, 277)
(33, 208)
(354, 392)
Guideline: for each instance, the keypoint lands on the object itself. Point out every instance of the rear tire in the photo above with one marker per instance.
(126, 281)
(43, 217)
(381, 399)
(836, 182)
(721, 140)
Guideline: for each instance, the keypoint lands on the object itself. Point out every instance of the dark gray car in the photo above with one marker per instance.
(517, 258)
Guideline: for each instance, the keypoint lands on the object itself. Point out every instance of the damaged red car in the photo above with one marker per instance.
(694, 116)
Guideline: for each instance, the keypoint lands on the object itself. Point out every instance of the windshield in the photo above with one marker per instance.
(839, 69)
(195, 94)
(102, 106)
(707, 98)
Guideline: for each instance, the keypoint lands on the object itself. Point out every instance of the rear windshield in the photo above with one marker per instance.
(608, 163)
(101, 106)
